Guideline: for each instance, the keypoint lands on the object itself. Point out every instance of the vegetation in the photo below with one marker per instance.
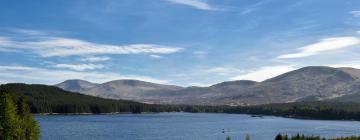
(303, 137)
(49, 99)
(16, 121)
(304, 110)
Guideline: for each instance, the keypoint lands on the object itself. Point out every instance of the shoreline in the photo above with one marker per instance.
(250, 115)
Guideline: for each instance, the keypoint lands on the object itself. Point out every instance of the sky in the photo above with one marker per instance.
(178, 42)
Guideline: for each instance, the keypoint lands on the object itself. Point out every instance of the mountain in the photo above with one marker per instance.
(314, 83)
(120, 89)
(76, 85)
(50, 99)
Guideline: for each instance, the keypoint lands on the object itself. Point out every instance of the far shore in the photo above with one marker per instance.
(251, 115)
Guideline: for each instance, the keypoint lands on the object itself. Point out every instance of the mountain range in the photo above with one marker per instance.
(314, 83)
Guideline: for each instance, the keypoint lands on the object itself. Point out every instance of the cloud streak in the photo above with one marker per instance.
(36, 75)
(264, 73)
(96, 59)
(56, 46)
(355, 13)
(324, 45)
(197, 4)
(50, 46)
(79, 67)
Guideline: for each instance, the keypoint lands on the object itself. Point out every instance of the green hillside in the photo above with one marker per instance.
(50, 99)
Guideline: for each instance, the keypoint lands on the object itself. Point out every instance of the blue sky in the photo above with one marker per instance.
(182, 42)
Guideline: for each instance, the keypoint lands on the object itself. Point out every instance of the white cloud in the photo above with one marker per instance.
(198, 4)
(155, 56)
(48, 76)
(79, 67)
(199, 84)
(220, 70)
(28, 32)
(57, 46)
(347, 64)
(96, 59)
(355, 13)
(324, 45)
(264, 73)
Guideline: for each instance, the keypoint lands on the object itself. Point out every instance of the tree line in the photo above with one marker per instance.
(50, 99)
(303, 137)
(304, 110)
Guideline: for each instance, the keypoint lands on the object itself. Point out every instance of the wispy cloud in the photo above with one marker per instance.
(95, 59)
(50, 46)
(28, 32)
(221, 70)
(198, 4)
(36, 75)
(352, 64)
(324, 45)
(253, 7)
(79, 67)
(55, 46)
(355, 13)
(200, 84)
(155, 56)
(264, 73)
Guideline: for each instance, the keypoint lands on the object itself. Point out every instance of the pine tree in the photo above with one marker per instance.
(278, 137)
(9, 121)
(247, 137)
(29, 127)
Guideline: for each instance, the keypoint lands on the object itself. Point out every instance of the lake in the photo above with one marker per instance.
(184, 126)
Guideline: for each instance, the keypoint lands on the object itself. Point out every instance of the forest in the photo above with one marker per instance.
(50, 99)
(304, 110)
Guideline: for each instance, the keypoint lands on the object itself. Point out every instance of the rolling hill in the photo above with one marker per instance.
(314, 83)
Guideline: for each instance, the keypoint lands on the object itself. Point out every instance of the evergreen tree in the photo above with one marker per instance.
(9, 121)
(247, 137)
(29, 127)
(278, 137)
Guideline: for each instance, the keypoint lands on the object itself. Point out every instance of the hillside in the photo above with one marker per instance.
(76, 85)
(314, 83)
(50, 99)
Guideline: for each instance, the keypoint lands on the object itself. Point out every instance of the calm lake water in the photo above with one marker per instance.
(184, 126)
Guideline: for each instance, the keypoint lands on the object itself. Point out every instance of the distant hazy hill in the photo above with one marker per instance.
(305, 84)
(119, 89)
(76, 85)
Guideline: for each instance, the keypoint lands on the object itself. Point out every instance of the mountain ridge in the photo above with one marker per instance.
(308, 83)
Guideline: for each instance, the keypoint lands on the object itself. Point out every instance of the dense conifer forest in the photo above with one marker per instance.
(304, 110)
(49, 99)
